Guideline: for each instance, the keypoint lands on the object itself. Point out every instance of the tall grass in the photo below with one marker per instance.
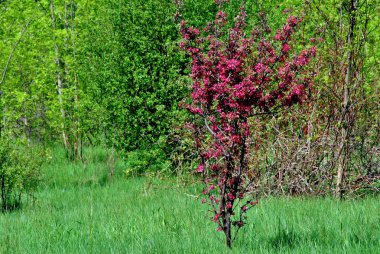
(78, 210)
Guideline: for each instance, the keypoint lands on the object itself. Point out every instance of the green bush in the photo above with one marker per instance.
(20, 165)
(151, 161)
(134, 71)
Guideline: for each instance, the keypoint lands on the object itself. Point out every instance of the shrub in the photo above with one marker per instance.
(20, 165)
(150, 161)
(237, 77)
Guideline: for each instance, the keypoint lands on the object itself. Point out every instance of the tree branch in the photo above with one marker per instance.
(13, 51)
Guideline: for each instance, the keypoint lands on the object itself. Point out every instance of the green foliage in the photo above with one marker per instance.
(133, 70)
(152, 161)
(20, 165)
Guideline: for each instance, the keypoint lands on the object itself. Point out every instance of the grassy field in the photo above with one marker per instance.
(78, 211)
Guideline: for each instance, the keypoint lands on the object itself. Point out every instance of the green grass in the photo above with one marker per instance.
(78, 211)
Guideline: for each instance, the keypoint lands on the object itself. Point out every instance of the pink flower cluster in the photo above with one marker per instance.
(236, 76)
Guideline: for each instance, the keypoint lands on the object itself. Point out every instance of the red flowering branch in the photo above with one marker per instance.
(235, 77)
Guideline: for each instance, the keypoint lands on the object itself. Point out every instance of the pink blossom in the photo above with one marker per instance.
(232, 64)
(292, 20)
(285, 47)
(214, 167)
(259, 68)
(200, 168)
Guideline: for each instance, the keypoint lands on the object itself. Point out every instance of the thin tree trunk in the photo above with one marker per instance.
(77, 142)
(69, 26)
(227, 217)
(227, 231)
(3, 194)
(342, 154)
(59, 77)
(69, 115)
(13, 51)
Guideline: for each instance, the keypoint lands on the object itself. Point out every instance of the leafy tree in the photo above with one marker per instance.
(132, 70)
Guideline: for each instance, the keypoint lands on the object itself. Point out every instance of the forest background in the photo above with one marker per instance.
(110, 73)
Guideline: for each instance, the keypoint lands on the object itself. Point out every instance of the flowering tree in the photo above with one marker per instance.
(237, 76)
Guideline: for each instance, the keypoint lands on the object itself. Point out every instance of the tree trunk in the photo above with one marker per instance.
(59, 77)
(227, 230)
(3, 194)
(342, 154)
